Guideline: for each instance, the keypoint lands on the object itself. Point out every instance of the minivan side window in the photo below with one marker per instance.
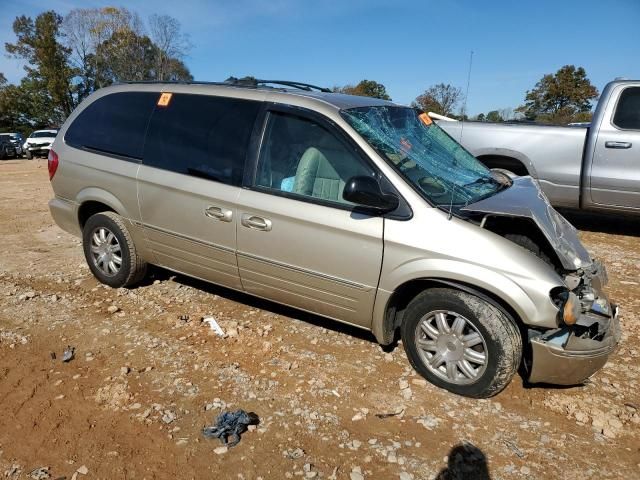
(627, 114)
(115, 123)
(203, 136)
(301, 157)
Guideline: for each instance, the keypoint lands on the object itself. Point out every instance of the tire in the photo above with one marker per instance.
(28, 155)
(104, 236)
(488, 331)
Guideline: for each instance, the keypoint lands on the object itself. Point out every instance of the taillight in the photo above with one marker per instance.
(52, 163)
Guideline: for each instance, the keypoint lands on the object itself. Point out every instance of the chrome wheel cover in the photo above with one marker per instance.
(106, 251)
(451, 347)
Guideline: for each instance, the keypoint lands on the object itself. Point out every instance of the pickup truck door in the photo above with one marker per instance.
(615, 171)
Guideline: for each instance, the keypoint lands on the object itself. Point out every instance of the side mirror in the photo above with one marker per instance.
(366, 192)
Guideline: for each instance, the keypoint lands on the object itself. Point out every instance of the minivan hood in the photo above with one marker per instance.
(525, 199)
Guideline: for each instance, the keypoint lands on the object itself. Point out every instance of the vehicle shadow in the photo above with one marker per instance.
(616, 224)
(159, 273)
(465, 461)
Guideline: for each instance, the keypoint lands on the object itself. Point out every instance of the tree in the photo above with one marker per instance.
(127, 56)
(49, 75)
(366, 88)
(172, 47)
(560, 97)
(439, 98)
(494, 116)
(481, 117)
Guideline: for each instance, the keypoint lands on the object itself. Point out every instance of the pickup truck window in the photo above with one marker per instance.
(627, 114)
(433, 162)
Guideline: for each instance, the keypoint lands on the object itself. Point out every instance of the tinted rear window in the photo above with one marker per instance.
(627, 114)
(115, 123)
(202, 136)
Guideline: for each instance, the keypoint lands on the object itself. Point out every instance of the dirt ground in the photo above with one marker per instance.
(148, 377)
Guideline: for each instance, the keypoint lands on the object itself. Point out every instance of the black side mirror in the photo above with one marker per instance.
(366, 192)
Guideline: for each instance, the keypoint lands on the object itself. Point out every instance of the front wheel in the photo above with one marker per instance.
(28, 155)
(110, 251)
(460, 342)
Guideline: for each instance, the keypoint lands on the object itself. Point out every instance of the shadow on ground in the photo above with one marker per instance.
(613, 223)
(158, 273)
(465, 461)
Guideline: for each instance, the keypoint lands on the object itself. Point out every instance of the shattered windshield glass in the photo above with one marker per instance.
(439, 167)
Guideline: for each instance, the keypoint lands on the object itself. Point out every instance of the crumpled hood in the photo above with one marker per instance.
(525, 199)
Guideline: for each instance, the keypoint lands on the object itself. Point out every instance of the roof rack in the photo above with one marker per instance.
(254, 82)
(248, 82)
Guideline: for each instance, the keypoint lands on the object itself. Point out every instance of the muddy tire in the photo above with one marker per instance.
(460, 342)
(110, 252)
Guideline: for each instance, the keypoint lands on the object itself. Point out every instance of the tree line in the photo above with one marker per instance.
(559, 98)
(67, 58)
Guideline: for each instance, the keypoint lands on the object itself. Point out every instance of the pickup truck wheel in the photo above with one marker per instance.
(28, 155)
(460, 342)
(110, 252)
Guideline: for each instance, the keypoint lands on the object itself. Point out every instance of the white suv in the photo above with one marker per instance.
(39, 143)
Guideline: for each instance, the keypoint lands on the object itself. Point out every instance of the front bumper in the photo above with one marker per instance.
(39, 149)
(570, 355)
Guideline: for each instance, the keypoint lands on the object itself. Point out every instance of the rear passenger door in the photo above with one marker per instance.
(299, 242)
(189, 183)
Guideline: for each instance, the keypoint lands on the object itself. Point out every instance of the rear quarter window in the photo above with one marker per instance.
(115, 124)
(202, 136)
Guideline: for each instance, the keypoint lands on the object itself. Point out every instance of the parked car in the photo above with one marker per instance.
(349, 207)
(39, 143)
(15, 139)
(7, 149)
(593, 168)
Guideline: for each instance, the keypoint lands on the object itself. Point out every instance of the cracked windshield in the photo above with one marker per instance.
(442, 170)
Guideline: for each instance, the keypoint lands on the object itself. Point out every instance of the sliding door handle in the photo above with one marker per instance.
(617, 144)
(255, 222)
(222, 214)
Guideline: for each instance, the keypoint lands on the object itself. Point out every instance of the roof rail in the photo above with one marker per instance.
(247, 82)
(255, 82)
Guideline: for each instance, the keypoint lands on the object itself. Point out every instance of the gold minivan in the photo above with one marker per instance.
(353, 208)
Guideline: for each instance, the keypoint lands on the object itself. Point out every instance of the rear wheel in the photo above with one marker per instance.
(110, 251)
(460, 342)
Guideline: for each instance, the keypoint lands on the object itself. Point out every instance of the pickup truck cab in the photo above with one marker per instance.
(590, 168)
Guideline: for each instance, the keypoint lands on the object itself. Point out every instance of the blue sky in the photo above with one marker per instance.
(407, 46)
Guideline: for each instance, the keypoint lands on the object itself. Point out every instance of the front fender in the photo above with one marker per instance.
(532, 306)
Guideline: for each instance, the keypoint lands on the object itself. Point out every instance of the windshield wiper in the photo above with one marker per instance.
(481, 181)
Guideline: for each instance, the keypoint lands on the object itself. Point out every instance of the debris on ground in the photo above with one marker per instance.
(231, 424)
(40, 473)
(214, 325)
(68, 354)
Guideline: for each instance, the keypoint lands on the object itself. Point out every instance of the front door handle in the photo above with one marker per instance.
(255, 222)
(617, 144)
(222, 214)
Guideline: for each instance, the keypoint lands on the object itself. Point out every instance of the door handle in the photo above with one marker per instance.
(222, 214)
(617, 144)
(255, 222)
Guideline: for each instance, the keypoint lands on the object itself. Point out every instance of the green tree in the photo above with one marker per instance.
(126, 56)
(494, 116)
(38, 44)
(439, 98)
(560, 97)
(481, 117)
(366, 88)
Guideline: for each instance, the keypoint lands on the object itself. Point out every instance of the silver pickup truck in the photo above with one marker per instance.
(592, 168)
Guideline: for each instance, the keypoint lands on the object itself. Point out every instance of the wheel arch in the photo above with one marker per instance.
(95, 200)
(385, 331)
(506, 159)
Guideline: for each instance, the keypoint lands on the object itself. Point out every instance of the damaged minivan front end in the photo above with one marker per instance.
(588, 328)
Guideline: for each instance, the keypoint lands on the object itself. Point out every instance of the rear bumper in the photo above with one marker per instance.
(569, 356)
(65, 214)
